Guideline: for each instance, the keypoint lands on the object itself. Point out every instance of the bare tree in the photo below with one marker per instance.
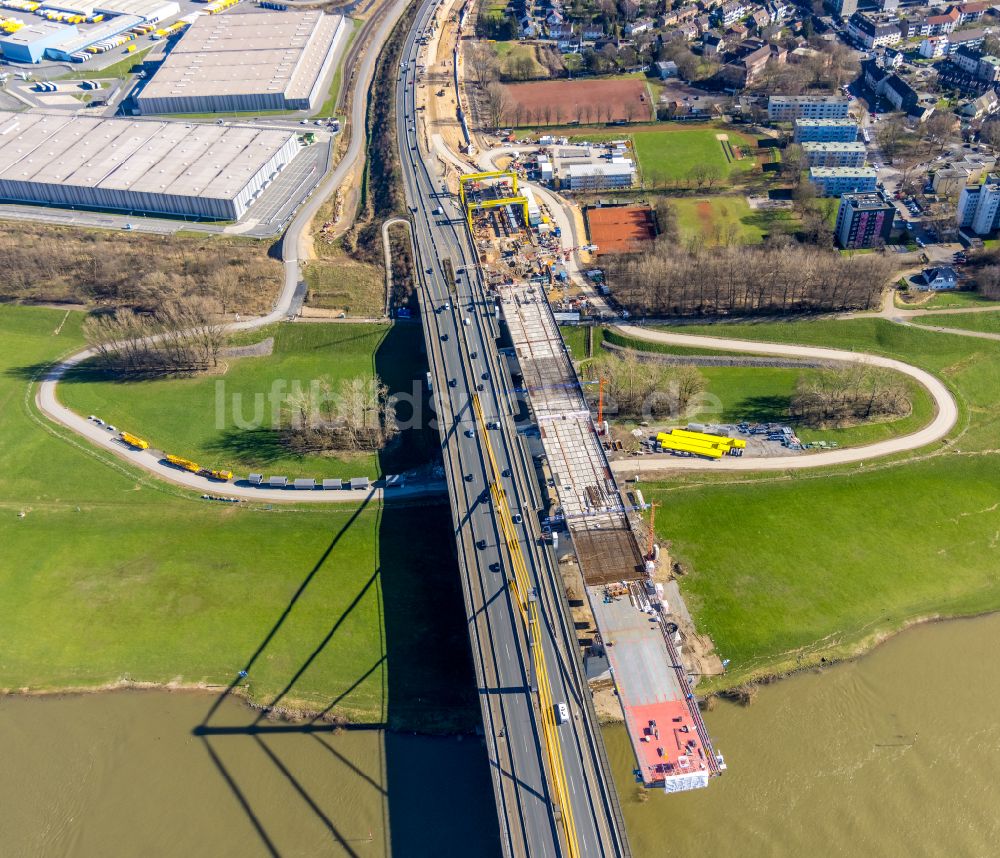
(483, 62)
(498, 103)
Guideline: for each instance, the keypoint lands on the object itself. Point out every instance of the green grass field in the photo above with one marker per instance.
(112, 574)
(948, 301)
(764, 394)
(820, 565)
(727, 219)
(670, 154)
(668, 151)
(988, 323)
(201, 418)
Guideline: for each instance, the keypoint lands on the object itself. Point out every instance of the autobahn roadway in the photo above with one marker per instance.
(461, 334)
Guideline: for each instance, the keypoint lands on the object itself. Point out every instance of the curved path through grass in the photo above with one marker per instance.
(291, 295)
(946, 409)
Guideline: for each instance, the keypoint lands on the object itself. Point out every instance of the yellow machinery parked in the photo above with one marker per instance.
(739, 443)
(184, 464)
(188, 465)
(134, 441)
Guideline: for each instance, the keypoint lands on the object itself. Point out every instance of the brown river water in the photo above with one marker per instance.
(897, 754)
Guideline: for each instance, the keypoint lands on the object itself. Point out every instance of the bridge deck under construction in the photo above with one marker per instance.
(592, 505)
(661, 715)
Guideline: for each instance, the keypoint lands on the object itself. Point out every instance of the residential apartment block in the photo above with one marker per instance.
(864, 220)
(979, 206)
(834, 154)
(787, 108)
(836, 181)
(825, 131)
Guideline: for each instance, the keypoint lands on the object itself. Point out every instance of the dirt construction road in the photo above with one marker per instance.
(946, 410)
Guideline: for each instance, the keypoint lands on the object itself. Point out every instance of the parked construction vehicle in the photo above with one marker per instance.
(134, 441)
(194, 468)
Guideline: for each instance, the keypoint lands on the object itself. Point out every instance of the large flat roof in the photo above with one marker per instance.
(172, 158)
(270, 52)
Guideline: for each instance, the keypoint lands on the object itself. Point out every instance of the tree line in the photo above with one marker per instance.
(181, 336)
(839, 396)
(43, 263)
(773, 278)
(643, 389)
(357, 415)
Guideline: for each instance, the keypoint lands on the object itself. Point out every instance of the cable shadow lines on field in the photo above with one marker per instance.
(256, 730)
(287, 611)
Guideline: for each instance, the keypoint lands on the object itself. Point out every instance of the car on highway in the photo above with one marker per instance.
(469, 433)
(562, 713)
(453, 382)
(517, 518)
(481, 544)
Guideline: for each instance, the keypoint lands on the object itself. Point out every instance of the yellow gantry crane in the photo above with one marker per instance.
(469, 207)
(528, 606)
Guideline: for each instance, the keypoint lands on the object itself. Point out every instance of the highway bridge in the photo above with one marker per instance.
(553, 786)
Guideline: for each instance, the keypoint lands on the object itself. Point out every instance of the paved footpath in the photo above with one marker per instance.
(49, 404)
(946, 410)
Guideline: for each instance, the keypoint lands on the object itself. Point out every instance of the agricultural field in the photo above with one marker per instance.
(583, 101)
(147, 582)
(727, 220)
(822, 565)
(231, 420)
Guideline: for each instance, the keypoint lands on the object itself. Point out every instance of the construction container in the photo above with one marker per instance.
(360, 483)
(277, 482)
(304, 483)
(333, 484)
(255, 479)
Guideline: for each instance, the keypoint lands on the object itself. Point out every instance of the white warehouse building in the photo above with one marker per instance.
(173, 168)
(256, 61)
(619, 173)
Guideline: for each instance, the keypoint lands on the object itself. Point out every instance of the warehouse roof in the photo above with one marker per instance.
(220, 55)
(120, 154)
(43, 30)
(99, 32)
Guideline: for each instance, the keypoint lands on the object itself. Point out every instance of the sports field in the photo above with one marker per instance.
(557, 102)
(620, 229)
(670, 154)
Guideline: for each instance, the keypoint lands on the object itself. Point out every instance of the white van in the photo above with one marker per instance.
(562, 713)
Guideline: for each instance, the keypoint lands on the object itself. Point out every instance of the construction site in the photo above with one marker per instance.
(642, 639)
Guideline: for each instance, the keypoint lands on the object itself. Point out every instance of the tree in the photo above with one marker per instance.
(793, 162)
(889, 136)
(497, 104)
(938, 130)
(483, 63)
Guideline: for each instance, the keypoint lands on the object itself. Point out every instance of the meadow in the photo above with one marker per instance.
(111, 575)
(232, 420)
(821, 565)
